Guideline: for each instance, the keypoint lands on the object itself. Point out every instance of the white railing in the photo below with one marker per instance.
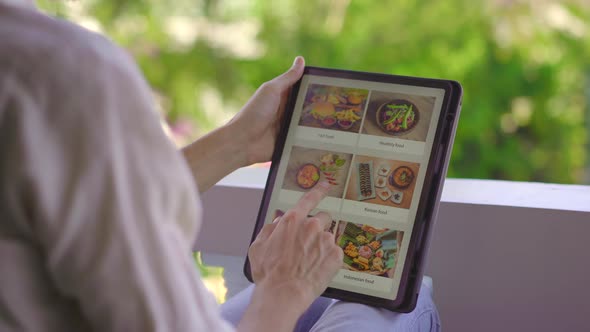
(505, 256)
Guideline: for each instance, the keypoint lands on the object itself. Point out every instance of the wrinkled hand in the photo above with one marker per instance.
(295, 252)
(259, 120)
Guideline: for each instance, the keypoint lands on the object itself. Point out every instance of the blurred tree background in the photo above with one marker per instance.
(524, 64)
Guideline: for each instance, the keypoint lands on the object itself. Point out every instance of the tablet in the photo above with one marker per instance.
(383, 142)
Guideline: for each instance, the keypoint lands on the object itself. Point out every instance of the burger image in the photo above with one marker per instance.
(322, 110)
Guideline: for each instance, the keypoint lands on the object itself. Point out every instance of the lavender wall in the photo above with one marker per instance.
(495, 266)
(511, 269)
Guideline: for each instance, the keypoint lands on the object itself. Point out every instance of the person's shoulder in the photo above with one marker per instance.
(56, 54)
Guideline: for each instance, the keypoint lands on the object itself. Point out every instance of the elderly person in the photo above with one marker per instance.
(98, 210)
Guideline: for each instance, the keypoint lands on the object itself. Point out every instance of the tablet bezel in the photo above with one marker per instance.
(411, 277)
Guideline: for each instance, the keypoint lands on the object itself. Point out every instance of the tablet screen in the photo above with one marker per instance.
(371, 141)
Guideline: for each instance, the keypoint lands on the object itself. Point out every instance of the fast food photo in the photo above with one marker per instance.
(332, 107)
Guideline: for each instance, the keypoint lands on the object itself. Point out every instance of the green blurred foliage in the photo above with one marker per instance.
(524, 64)
(205, 270)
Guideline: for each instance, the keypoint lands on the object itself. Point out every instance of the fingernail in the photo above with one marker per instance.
(297, 60)
(325, 185)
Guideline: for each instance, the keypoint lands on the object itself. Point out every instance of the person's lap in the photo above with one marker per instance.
(331, 315)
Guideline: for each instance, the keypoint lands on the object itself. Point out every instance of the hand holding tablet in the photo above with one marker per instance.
(383, 143)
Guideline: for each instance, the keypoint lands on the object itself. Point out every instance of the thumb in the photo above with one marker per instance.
(291, 76)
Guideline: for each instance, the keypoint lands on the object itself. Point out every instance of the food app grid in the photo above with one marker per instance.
(371, 141)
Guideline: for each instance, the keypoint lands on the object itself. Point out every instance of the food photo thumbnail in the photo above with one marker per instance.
(382, 181)
(368, 249)
(307, 167)
(332, 107)
(398, 115)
